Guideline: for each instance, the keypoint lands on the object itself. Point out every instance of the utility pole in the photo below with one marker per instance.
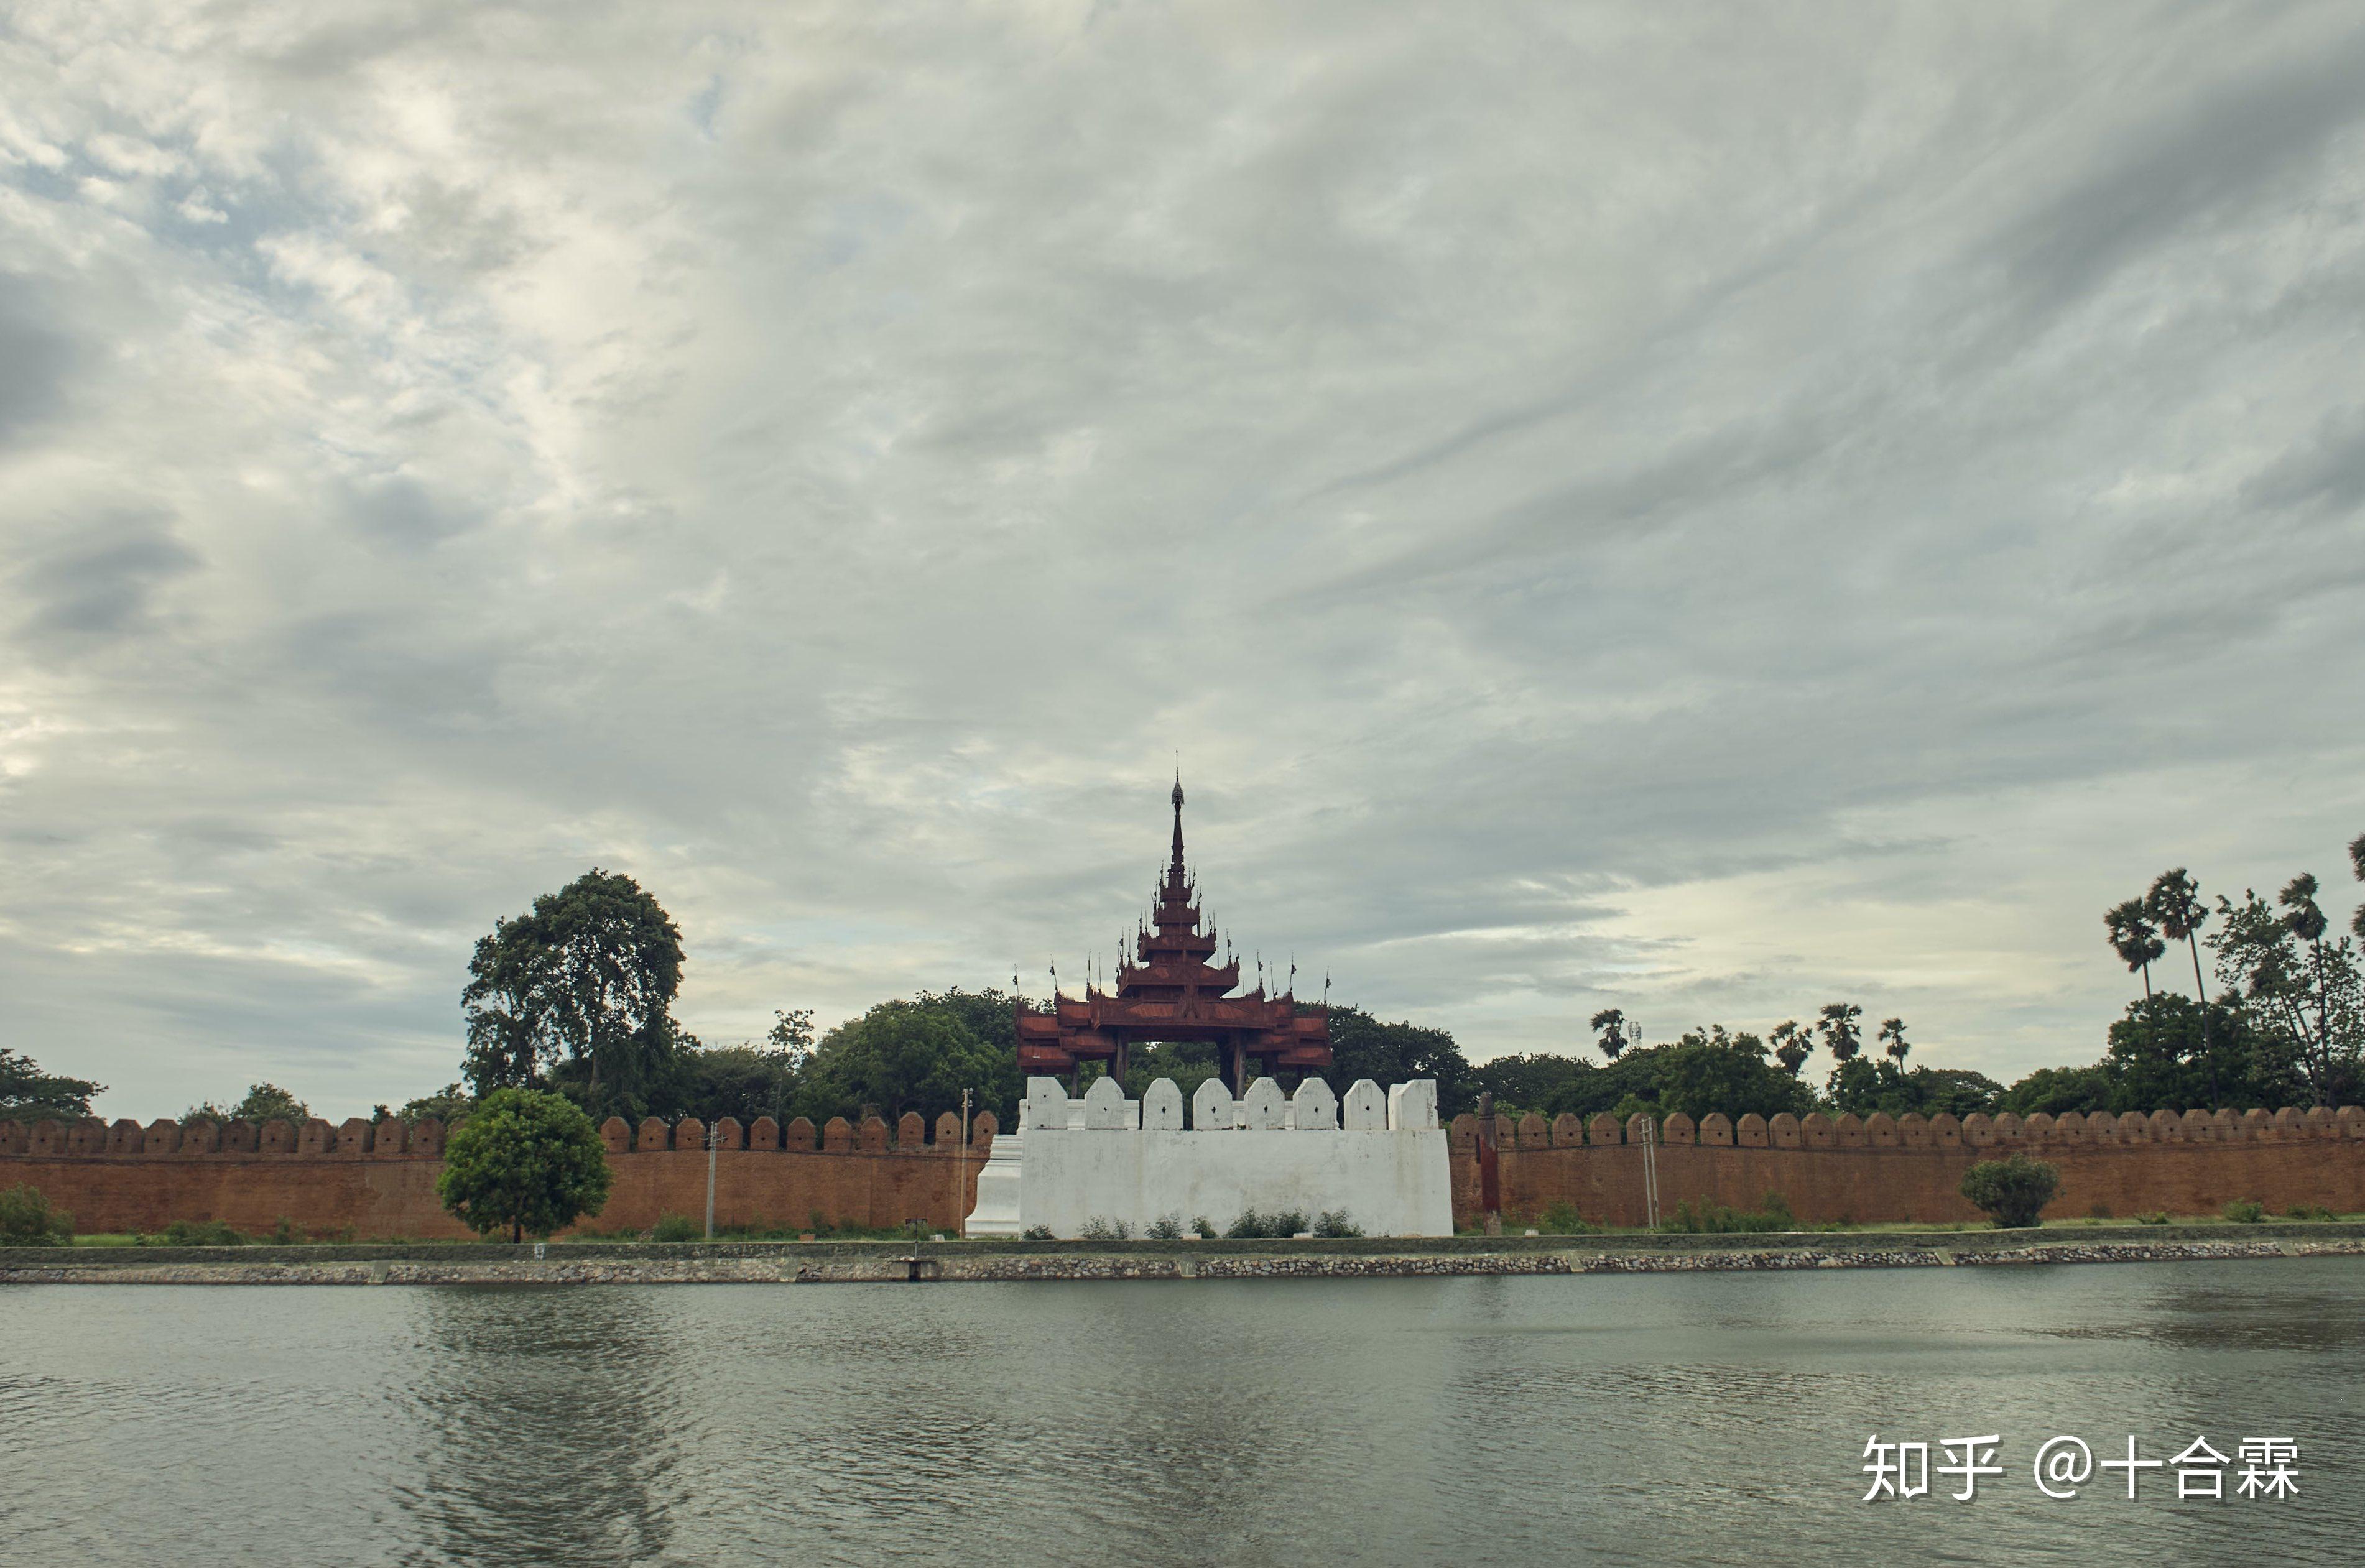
(1651, 1170)
(1490, 1179)
(961, 1174)
(713, 1143)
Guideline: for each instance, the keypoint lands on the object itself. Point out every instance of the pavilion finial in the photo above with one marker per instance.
(1174, 874)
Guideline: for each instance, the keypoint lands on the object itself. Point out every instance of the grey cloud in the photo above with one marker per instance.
(403, 513)
(98, 578)
(1607, 513)
(36, 359)
(2215, 155)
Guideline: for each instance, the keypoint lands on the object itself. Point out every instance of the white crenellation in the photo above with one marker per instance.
(1161, 1107)
(1110, 1158)
(1266, 1110)
(1104, 1106)
(1412, 1107)
(1211, 1107)
(1313, 1108)
(1047, 1103)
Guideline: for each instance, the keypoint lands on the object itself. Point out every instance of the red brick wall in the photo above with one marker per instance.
(1911, 1170)
(380, 1182)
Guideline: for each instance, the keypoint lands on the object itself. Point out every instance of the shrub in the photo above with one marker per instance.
(1279, 1226)
(26, 1219)
(1036, 1233)
(202, 1233)
(2158, 1216)
(2307, 1211)
(1204, 1227)
(286, 1232)
(1099, 1229)
(1562, 1219)
(1694, 1218)
(1165, 1227)
(2100, 1211)
(2244, 1211)
(2014, 1191)
(527, 1162)
(1335, 1223)
(677, 1228)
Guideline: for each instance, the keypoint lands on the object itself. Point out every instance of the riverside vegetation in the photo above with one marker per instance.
(572, 999)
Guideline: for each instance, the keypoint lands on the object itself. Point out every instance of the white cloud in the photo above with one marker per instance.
(1702, 514)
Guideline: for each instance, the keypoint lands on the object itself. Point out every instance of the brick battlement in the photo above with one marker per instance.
(358, 1138)
(1978, 1130)
(378, 1180)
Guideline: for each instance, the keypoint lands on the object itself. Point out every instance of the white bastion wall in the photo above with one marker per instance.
(1383, 1162)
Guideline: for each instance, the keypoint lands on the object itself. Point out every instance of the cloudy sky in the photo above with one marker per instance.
(1710, 511)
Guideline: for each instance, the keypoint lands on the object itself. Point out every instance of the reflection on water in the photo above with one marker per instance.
(1641, 1418)
(532, 1426)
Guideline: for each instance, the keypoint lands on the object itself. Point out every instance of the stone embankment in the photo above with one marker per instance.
(825, 1263)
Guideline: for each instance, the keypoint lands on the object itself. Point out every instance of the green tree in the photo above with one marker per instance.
(1608, 1027)
(28, 1094)
(28, 1220)
(2172, 1052)
(528, 1163)
(262, 1103)
(1892, 1035)
(1362, 1047)
(1792, 1046)
(2357, 864)
(588, 975)
(1527, 1082)
(2054, 1089)
(2295, 984)
(1708, 1070)
(2174, 905)
(2012, 1192)
(447, 1104)
(918, 1055)
(1837, 1024)
(1862, 1086)
(743, 1081)
(2132, 935)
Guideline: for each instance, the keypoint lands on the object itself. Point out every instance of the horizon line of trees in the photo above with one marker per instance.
(576, 996)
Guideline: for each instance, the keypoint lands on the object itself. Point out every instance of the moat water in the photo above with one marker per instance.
(1648, 1418)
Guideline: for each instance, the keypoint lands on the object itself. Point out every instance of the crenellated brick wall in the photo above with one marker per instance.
(1911, 1169)
(378, 1180)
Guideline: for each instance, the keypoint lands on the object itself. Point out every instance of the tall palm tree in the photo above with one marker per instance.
(1792, 1046)
(2174, 904)
(1892, 1031)
(1609, 1025)
(2356, 862)
(1838, 1026)
(2133, 937)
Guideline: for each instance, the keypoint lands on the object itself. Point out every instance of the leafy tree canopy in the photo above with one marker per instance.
(262, 1103)
(447, 1104)
(1863, 1086)
(587, 975)
(528, 1163)
(918, 1055)
(1362, 1047)
(2297, 984)
(27, 1093)
(2014, 1191)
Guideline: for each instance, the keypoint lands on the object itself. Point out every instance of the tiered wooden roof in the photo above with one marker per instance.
(1172, 991)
